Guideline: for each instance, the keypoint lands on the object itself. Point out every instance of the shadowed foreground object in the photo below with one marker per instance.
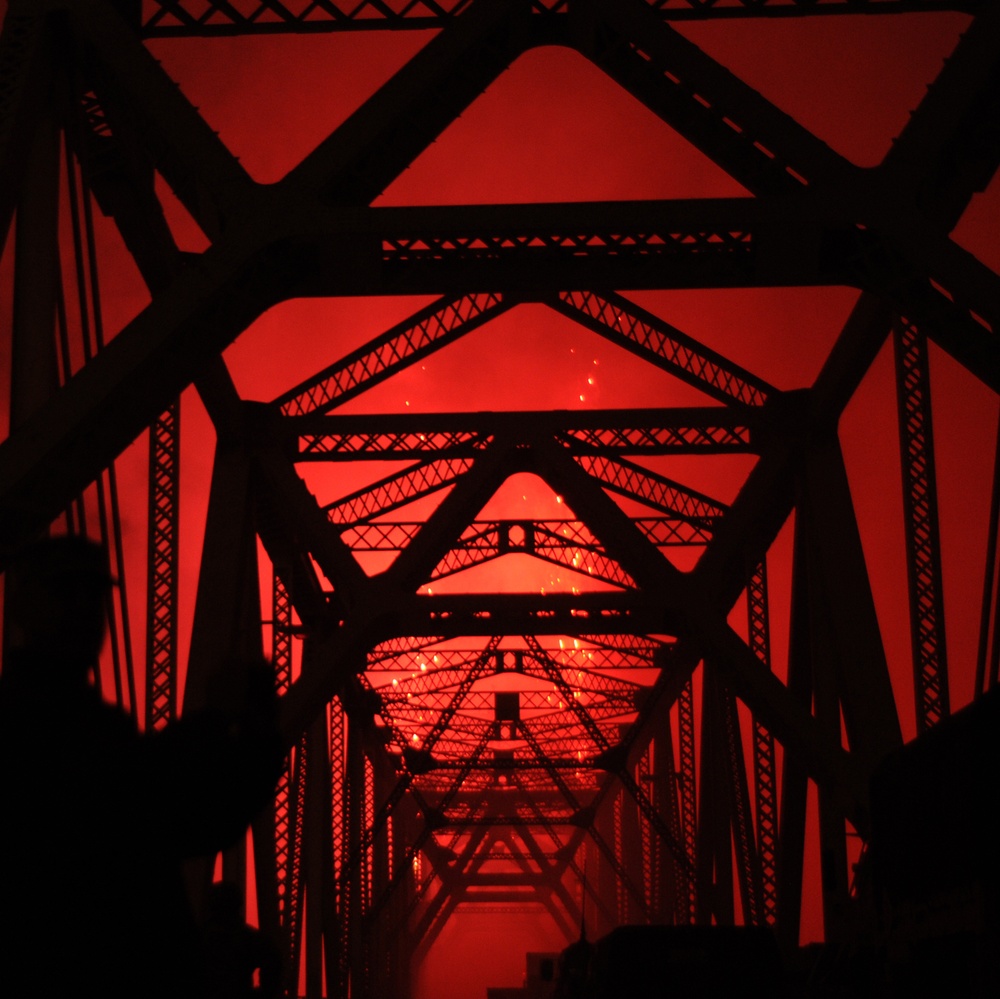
(91, 881)
(689, 961)
(556, 381)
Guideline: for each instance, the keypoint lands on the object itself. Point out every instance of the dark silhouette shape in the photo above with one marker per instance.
(686, 962)
(933, 856)
(574, 960)
(235, 950)
(90, 879)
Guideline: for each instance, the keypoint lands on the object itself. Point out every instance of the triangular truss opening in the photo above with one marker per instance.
(250, 87)
(852, 81)
(550, 128)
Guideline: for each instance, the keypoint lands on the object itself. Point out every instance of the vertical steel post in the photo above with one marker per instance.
(765, 776)
(923, 541)
(162, 566)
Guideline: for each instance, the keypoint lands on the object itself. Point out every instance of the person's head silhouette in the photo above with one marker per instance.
(57, 591)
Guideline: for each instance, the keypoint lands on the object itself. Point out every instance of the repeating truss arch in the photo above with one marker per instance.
(635, 718)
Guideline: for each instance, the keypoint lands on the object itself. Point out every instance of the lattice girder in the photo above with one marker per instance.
(708, 430)
(186, 18)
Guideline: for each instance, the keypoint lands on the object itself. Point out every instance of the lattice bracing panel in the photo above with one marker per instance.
(161, 636)
(564, 543)
(397, 491)
(621, 320)
(445, 702)
(727, 251)
(687, 781)
(927, 620)
(405, 344)
(654, 490)
(707, 440)
(765, 771)
(290, 792)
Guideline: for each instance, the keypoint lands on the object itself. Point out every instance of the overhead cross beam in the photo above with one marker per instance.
(218, 18)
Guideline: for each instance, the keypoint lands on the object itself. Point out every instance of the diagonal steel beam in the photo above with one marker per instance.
(383, 137)
(615, 763)
(204, 174)
(398, 490)
(768, 151)
(623, 322)
(428, 330)
(470, 493)
(585, 817)
(703, 622)
(75, 441)
(652, 489)
(754, 141)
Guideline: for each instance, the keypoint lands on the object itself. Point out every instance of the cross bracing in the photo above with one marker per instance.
(445, 724)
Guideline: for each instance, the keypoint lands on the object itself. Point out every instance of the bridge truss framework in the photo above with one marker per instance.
(487, 748)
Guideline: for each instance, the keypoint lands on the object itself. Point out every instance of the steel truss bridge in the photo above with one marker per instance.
(449, 748)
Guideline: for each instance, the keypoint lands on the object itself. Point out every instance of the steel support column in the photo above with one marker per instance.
(923, 542)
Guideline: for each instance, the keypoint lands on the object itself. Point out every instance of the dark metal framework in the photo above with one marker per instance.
(487, 748)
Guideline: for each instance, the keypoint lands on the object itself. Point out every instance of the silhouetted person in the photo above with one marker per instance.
(97, 816)
(235, 950)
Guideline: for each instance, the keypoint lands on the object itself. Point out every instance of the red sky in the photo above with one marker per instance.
(554, 128)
